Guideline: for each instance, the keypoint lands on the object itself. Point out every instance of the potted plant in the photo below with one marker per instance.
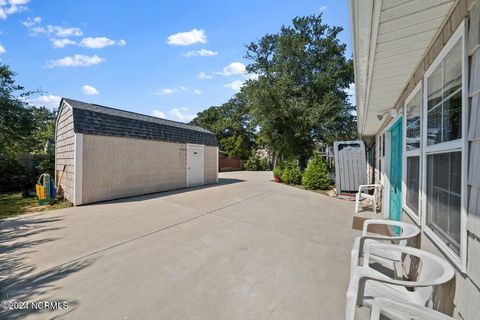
(277, 173)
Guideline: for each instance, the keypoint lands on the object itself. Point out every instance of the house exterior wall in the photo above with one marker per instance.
(464, 290)
(116, 167)
(64, 151)
(211, 162)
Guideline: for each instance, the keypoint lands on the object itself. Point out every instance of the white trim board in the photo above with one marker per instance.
(78, 169)
(418, 152)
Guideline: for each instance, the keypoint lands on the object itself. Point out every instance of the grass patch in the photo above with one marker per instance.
(14, 204)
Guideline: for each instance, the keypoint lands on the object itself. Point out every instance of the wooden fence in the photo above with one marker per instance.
(229, 164)
(350, 165)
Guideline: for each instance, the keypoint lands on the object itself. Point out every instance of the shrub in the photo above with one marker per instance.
(316, 174)
(278, 170)
(291, 173)
(255, 163)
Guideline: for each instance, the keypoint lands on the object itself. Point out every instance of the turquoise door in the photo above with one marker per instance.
(396, 146)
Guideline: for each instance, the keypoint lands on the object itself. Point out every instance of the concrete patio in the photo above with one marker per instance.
(246, 248)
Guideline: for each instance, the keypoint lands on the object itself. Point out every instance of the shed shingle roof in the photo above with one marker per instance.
(95, 119)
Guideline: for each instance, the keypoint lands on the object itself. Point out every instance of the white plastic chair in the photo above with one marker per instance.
(367, 284)
(389, 259)
(396, 310)
(363, 194)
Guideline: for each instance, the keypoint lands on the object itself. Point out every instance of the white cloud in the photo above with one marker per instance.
(176, 114)
(78, 60)
(165, 91)
(35, 28)
(158, 114)
(172, 90)
(100, 42)
(8, 7)
(323, 8)
(61, 43)
(201, 53)
(32, 22)
(2, 49)
(49, 100)
(56, 31)
(196, 91)
(89, 90)
(204, 76)
(180, 114)
(18, 2)
(250, 76)
(351, 93)
(187, 38)
(233, 68)
(234, 85)
(351, 89)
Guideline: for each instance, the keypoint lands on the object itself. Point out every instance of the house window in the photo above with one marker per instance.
(445, 99)
(413, 183)
(444, 184)
(444, 149)
(413, 126)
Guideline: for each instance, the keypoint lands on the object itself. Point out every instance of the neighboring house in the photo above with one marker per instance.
(417, 82)
(109, 153)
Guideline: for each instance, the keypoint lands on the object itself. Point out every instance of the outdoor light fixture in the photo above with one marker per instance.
(392, 112)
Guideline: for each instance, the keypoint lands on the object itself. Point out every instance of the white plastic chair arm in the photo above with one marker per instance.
(368, 186)
(394, 309)
(363, 239)
(427, 258)
(384, 222)
(364, 273)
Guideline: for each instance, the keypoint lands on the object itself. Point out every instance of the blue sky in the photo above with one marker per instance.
(166, 58)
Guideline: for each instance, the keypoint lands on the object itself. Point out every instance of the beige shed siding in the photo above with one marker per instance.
(116, 167)
(210, 154)
(64, 151)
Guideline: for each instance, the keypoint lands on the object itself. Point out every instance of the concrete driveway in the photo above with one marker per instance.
(246, 248)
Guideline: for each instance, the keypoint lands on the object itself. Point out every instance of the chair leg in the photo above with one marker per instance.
(374, 206)
(357, 200)
(351, 307)
(353, 261)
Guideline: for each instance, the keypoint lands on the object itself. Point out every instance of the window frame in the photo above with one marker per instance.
(416, 217)
(447, 147)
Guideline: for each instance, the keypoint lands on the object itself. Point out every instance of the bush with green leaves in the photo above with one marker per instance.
(315, 175)
(255, 163)
(278, 170)
(291, 173)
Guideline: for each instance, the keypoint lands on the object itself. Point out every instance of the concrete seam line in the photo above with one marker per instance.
(7, 286)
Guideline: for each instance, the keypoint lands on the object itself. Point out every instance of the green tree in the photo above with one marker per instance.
(231, 124)
(24, 129)
(299, 97)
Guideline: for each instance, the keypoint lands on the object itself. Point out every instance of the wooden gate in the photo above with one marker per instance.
(350, 165)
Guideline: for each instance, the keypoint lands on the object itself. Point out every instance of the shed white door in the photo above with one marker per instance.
(195, 165)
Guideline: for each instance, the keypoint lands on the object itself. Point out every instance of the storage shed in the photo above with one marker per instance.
(108, 153)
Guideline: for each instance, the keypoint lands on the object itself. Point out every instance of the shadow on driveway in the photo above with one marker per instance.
(156, 195)
(19, 279)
